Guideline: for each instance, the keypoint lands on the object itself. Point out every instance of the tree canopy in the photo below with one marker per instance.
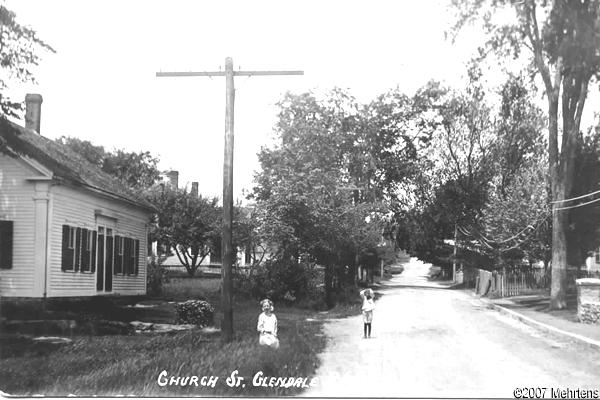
(186, 223)
(322, 189)
(20, 49)
(136, 170)
(561, 41)
(481, 180)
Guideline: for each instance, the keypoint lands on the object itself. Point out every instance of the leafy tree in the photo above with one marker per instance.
(136, 170)
(561, 39)
(248, 234)
(515, 219)
(584, 222)
(189, 225)
(519, 139)
(384, 138)
(95, 155)
(362, 237)
(19, 53)
(300, 179)
(449, 187)
(482, 179)
(324, 178)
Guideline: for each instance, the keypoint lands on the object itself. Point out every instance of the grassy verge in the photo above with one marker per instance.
(131, 365)
(182, 287)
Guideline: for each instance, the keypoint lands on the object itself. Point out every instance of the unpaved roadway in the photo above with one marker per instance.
(435, 342)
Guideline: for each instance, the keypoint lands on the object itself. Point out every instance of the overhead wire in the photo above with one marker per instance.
(494, 244)
(576, 198)
(577, 205)
(517, 245)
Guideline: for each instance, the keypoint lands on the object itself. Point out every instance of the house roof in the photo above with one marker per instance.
(66, 165)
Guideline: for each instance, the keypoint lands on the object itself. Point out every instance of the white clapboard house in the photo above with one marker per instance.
(66, 228)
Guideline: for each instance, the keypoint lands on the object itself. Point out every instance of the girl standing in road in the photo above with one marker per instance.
(267, 325)
(367, 310)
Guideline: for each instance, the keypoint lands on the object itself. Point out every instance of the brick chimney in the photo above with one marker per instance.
(173, 179)
(33, 111)
(194, 191)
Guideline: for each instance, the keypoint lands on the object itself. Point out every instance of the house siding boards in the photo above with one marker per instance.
(79, 209)
(17, 205)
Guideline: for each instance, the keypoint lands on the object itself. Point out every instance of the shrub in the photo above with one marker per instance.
(314, 299)
(156, 277)
(278, 279)
(196, 312)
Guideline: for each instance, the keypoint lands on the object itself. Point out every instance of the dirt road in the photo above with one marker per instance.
(433, 342)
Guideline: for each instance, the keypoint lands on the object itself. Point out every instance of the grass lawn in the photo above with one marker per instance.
(182, 287)
(131, 365)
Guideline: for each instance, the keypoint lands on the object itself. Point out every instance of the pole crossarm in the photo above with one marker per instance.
(222, 73)
(263, 73)
(185, 74)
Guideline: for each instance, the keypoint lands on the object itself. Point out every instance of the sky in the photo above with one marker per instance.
(101, 83)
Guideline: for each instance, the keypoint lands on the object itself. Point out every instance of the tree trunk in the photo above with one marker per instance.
(562, 184)
(559, 261)
(559, 242)
(328, 285)
(561, 175)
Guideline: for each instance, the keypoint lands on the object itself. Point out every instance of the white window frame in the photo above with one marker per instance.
(71, 244)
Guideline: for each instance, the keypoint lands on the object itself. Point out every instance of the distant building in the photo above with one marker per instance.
(66, 227)
(171, 178)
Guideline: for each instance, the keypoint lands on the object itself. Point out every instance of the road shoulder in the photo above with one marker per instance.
(588, 334)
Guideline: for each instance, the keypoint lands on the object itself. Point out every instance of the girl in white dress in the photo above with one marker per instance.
(267, 325)
(367, 310)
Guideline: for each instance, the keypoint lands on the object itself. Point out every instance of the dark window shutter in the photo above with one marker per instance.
(67, 254)
(94, 244)
(110, 257)
(77, 249)
(127, 255)
(85, 253)
(118, 264)
(6, 244)
(136, 258)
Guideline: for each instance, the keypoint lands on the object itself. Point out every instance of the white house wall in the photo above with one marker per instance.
(17, 205)
(592, 263)
(79, 208)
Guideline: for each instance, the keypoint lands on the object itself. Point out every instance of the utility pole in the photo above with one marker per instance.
(227, 250)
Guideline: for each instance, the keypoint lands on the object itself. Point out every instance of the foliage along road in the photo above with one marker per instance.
(434, 342)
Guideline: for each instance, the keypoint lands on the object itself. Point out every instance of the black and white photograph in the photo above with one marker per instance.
(321, 199)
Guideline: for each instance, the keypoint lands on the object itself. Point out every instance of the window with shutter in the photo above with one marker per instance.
(68, 253)
(6, 244)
